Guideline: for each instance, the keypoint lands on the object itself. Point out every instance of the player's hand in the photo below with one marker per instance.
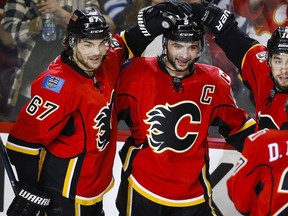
(157, 19)
(28, 202)
(218, 20)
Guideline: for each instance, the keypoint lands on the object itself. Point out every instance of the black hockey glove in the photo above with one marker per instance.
(218, 20)
(156, 20)
(28, 202)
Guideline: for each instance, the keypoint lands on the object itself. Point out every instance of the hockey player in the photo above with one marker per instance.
(63, 144)
(169, 102)
(259, 185)
(264, 70)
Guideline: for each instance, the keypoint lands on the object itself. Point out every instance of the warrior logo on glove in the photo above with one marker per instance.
(34, 199)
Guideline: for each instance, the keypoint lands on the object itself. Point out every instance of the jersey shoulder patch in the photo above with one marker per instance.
(53, 83)
(115, 43)
(261, 56)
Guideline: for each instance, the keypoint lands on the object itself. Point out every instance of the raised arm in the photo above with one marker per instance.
(232, 40)
(153, 21)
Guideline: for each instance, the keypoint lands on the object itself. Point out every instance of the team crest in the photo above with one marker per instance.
(103, 125)
(171, 126)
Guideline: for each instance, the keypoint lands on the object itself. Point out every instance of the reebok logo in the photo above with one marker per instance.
(40, 201)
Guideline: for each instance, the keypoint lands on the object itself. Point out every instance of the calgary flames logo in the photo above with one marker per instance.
(103, 124)
(170, 126)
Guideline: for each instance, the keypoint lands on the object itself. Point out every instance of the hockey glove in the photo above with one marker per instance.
(218, 20)
(28, 202)
(157, 19)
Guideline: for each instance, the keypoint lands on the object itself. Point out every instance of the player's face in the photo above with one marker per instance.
(89, 54)
(279, 67)
(181, 54)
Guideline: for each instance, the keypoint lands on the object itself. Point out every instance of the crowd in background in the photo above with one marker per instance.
(24, 54)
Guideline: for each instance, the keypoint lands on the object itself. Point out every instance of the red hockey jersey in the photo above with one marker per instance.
(259, 184)
(69, 115)
(256, 72)
(170, 157)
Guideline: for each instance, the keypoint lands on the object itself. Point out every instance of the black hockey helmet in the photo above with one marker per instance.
(89, 24)
(186, 30)
(278, 43)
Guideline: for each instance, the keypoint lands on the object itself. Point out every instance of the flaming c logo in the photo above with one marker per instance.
(103, 124)
(171, 126)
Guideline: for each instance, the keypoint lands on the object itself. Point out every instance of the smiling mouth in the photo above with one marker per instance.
(182, 62)
(283, 78)
(95, 60)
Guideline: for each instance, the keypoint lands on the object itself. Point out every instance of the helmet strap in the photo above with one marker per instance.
(72, 41)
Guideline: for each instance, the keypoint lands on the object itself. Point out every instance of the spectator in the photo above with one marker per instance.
(114, 8)
(8, 61)
(169, 102)
(258, 185)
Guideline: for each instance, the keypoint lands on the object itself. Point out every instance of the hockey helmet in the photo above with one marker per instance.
(278, 43)
(186, 30)
(89, 24)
